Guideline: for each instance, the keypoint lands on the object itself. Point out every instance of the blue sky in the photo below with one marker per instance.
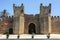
(30, 6)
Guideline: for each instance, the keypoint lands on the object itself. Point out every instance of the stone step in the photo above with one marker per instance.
(28, 36)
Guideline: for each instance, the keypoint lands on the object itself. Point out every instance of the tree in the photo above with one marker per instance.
(4, 13)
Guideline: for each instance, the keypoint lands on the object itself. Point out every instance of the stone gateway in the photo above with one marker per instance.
(42, 23)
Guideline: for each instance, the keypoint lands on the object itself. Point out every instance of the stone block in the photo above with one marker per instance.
(3, 36)
(13, 37)
(40, 36)
(54, 36)
(25, 36)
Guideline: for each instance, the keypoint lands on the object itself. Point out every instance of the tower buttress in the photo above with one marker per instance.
(41, 9)
(18, 19)
(21, 20)
(45, 19)
(50, 8)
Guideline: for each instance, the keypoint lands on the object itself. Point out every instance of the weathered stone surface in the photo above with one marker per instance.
(42, 23)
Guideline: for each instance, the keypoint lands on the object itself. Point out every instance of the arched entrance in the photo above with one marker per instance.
(10, 30)
(32, 28)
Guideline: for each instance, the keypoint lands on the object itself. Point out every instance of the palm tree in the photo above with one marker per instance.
(4, 13)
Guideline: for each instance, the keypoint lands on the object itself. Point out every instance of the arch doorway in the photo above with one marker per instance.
(10, 30)
(32, 29)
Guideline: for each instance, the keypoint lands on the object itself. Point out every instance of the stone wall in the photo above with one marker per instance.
(31, 19)
(55, 23)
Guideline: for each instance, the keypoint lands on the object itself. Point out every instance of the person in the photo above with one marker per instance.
(48, 36)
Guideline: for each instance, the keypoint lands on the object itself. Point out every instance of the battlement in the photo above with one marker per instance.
(45, 6)
(45, 9)
(31, 15)
(18, 9)
(55, 17)
(17, 6)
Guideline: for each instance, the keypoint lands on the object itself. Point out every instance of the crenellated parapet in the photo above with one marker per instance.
(18, 10)
(17, 7)
(55, 23)
(45, 9)
(55, 17)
